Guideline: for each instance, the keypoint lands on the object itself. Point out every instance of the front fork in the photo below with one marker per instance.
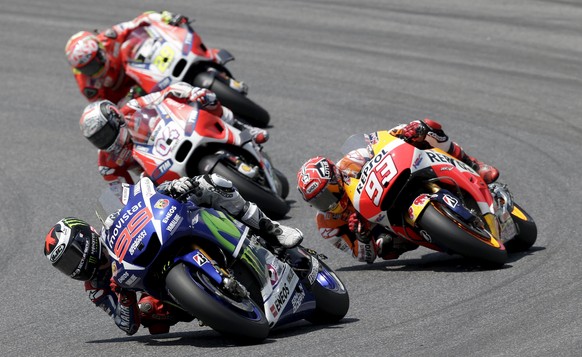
(200, 260)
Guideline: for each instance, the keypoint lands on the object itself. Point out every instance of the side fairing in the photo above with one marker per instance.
(180, 130)
(392, 158)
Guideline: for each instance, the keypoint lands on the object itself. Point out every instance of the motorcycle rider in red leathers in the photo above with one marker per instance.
(320, 183)
(114, 130)
(74, 248)
(96, 59)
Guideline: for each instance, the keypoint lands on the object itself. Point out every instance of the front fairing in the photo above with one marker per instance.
(395, 164)
(161, 54)
(174, 137)
(150, 228)
(390, 163)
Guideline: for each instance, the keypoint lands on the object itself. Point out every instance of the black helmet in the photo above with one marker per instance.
(73, 247)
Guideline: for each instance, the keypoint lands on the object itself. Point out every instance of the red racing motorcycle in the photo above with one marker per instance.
(436, 201)
(181, 140)
(160, 54)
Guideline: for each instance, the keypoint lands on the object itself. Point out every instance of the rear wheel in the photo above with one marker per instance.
(236, 101)
(283, 183)
(268, 201)
(438, 224)
(239, 318)
(527, 231)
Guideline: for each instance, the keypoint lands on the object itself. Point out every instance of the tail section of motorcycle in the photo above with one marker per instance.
(518, 230)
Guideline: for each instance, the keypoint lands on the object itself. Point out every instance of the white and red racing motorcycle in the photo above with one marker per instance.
(185, 141)
(161, 54)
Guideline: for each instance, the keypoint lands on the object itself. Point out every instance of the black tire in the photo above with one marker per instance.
(269, 202)
(284, 191)
(198, 297)
(447, 234)
(331, 305)
(239, 103)
(527, 235)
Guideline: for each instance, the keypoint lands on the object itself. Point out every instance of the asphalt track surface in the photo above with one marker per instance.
(503, 77)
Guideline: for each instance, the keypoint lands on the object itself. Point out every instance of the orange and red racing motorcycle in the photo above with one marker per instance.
(436, 201)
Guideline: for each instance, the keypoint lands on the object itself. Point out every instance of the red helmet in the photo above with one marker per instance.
(321, 185)
(85, 53)
(73, 247)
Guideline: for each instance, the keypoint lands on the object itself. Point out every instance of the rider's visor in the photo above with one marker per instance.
(326, 200)
(96, 66)
(106, 136)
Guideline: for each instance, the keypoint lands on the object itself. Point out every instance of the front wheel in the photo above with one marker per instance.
(238, 318)
(331, 297)
(439, 226)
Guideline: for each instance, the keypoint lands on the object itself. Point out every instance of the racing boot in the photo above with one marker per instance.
(260, 136)
(217, 191)
(389, 246)
(275, 233)
(488, 173)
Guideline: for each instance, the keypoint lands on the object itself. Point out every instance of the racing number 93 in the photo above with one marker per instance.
(384, 171)
(131, 230)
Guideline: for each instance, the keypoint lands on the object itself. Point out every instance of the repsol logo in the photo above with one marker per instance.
(282, 298)
(441, 158)
(368, 169)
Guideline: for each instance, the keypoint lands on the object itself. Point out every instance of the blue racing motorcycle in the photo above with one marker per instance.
(215, 268)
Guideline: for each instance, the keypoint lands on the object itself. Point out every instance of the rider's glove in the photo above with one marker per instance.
(126, 297)
(415, 131)
(359, 227)
(204, 98)
(180, 90)
(180, 186)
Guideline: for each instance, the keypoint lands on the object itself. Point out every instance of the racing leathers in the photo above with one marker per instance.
(127, 313)
(366, 241)
(114, 84)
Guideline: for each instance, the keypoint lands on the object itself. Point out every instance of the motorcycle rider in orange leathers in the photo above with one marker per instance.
(320, 183)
